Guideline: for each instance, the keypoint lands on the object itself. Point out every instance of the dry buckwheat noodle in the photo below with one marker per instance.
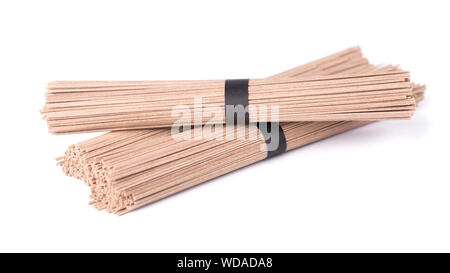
(130, 169)
(87, 106)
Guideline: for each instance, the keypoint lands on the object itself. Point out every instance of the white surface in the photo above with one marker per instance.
(383, 187)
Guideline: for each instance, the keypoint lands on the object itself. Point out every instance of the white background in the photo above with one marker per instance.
(383, 187)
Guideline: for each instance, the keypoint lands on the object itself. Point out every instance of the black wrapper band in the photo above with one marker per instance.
(268, 137)
(236, 105)
(236, 100)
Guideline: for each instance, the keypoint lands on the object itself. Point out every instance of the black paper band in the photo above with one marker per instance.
(236, 105)
(268, 138)
(236, 100)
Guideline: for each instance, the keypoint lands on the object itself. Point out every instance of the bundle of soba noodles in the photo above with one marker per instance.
(86, 106)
